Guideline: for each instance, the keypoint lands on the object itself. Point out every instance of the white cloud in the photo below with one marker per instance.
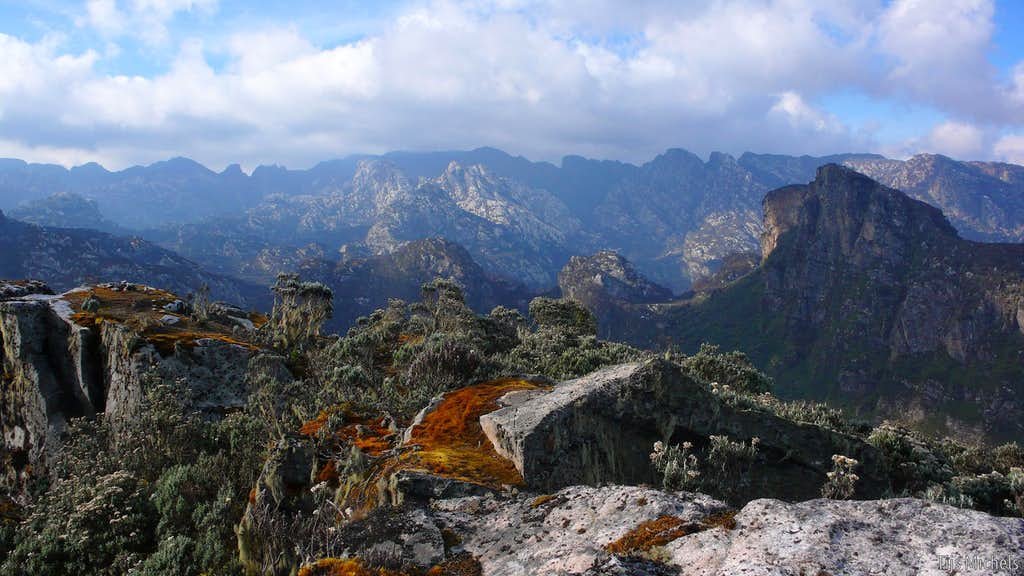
(145, 19)
(104, 16)
(1010, 148)
(536, 77)
(956, 139)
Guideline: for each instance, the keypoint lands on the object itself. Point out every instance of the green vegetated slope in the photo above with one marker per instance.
(870, 300)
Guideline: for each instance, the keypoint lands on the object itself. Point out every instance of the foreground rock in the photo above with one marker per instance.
(94, 350)
(636, 531)
(901, 537)
(600, 429)
(571, 531)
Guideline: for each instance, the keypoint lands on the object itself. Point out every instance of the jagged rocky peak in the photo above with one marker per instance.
(852, 215)
(379, 175)
(607, 274)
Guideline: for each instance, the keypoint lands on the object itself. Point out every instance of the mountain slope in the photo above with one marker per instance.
(870, 299)
(67, 258)
(985, 201)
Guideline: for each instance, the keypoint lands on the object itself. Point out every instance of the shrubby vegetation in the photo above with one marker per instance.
(164, 494)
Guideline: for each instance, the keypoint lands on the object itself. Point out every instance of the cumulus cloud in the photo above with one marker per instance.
(1010, 148)
(536, 77)
(145, 19)
(956, 139)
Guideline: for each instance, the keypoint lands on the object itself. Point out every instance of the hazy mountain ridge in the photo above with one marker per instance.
(520, 219)
(66, 258)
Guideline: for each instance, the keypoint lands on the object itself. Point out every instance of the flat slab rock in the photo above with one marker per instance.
(565, 533)
(561, 533)
(899, 537)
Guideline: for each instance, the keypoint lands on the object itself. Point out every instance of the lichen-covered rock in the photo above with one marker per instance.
(600, 429)
(60, 361)
(566, 532)
(900, 537)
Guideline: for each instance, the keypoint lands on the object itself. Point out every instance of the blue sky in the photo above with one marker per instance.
(224, 81)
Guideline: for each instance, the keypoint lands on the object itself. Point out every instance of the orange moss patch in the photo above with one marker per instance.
(349, 567)
(370, 436)
(258, 320)
(328, 473)
(541, 500)
(452, 443)
(651, 533)
(449, 442)
(461, 565)
(141, 310)
(164, 339)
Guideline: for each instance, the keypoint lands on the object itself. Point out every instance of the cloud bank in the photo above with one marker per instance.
(605, 79)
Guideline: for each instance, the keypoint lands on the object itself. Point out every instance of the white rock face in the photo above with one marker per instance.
(891, 537)
(565, 534)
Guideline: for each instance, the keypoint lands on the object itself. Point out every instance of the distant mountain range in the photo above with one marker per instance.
(66, 258)
(676, 217)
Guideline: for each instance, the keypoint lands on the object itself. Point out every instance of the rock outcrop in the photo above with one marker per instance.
(60, 361)
(900, 537)
(627, 530)
(600, 429)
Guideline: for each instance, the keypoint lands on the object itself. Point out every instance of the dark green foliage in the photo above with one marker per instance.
(300, 309)
(563, 315)
(732, 369)
(92, 524)
(160, 495)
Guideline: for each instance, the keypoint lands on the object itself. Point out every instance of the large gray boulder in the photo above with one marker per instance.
(600, 429)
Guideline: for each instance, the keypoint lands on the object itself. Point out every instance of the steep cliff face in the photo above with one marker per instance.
(869, 299)
(61, 361)
(850, 256)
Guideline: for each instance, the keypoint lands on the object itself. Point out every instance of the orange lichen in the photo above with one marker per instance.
(258, 320)
(725, 520)
(410, 338)
(651, 533)
(452, 443)
(141, 309)
(328, 473)
(312, 428)
(165, 339)
(449, 442)
(460, 565)
(541, 500)
(370, 436)
(348, 567)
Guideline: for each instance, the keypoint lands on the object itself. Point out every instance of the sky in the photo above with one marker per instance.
(126, 82)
